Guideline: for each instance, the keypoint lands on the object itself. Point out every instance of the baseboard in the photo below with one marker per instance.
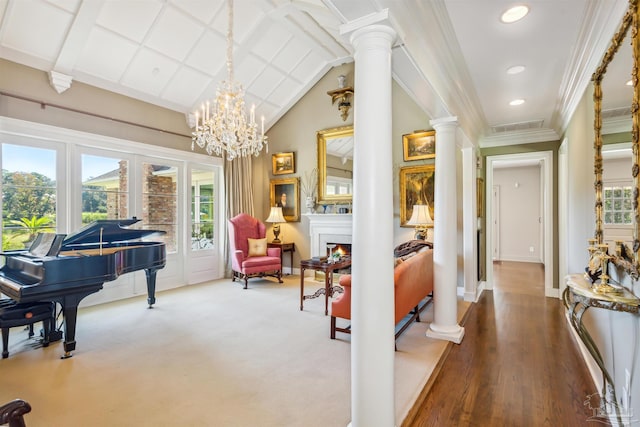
(592, 366)
(519, 259)
(552, 293)
(474, 296)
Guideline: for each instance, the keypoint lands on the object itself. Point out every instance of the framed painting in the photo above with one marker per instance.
(285, 192)
(419, 145)
(283, 163)
(417, 185)
(480, 197)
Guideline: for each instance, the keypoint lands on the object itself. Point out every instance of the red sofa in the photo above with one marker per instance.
(413, 283)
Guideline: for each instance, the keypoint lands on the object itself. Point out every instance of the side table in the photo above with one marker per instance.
(328, 269)
(285, 247)
(578, 297)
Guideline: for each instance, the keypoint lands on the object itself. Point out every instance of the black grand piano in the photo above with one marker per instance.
(65, 269)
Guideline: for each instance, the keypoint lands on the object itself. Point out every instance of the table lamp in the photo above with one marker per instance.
(421, 219)
(275, 216)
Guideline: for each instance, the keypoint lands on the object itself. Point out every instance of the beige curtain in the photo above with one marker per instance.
(238, 186)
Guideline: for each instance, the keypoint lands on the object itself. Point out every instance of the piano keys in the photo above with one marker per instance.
(66, 269)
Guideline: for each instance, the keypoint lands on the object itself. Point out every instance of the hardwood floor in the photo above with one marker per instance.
(518, 364)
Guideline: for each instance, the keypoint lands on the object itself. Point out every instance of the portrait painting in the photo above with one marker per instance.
(285, 193)
(417, 186)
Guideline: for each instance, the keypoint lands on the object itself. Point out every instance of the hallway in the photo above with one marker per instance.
(518, 364)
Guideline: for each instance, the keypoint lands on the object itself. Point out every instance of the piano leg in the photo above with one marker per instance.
(69, 305)
(151, 285)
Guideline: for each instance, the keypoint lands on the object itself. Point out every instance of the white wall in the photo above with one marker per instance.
(519, 212)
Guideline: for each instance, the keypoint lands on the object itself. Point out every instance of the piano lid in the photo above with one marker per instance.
(107, 231)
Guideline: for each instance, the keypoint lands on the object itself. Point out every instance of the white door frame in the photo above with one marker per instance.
(546, 162)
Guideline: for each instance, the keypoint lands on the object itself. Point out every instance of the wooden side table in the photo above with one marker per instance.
(285, 247)
(328, 269)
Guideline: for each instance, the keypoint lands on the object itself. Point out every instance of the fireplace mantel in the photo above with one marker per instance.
(325, 228)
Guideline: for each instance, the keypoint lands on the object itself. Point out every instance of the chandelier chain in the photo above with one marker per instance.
(225, 128)
(230, 41)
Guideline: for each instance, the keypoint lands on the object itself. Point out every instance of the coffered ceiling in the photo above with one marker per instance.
(451, 55)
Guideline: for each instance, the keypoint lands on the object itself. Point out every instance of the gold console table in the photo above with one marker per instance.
(578, 296)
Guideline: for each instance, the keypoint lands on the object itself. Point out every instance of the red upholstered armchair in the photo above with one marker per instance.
(252, 258)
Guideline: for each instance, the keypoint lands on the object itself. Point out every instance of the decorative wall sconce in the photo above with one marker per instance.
(343, 96)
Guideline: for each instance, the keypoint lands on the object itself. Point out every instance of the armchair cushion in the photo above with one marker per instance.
(257, 247)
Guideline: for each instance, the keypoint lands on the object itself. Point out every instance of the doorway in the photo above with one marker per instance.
(545, 160)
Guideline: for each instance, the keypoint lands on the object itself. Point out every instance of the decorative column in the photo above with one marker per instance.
(372, 303)
(445, 257)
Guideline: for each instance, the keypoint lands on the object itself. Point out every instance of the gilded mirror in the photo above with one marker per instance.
(615, 101)
(335, 165)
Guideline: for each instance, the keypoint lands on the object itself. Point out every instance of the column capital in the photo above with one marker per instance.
(444, 122)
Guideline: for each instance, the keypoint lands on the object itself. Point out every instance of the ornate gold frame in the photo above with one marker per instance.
(410, 140)
(322, 136)
(283, 163)
(625, 258)
(290, 186)
(417, 186)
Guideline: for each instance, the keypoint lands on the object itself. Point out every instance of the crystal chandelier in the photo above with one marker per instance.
(224, 126)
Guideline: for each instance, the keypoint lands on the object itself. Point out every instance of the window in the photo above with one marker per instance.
(202, 209)
(104, 188)
(28, 194)
(617, 203)
(160, 201)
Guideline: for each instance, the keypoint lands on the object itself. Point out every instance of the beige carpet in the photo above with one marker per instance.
(206, 355)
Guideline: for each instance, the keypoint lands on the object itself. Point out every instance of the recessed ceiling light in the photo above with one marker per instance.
(516, 69)
(514, 14)
(516, 102)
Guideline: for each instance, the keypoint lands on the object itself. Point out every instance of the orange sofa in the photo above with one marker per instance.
(413, 283)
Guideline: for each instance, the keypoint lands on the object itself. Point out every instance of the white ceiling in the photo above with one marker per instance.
(451, 55)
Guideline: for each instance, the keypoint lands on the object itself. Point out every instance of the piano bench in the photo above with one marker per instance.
(14, 314)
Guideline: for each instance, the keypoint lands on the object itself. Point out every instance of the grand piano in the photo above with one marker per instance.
(65, 269)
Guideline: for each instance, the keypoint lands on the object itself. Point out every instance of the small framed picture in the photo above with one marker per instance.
(417, 187)
(419, 145)
(285, 192)
(283, 163)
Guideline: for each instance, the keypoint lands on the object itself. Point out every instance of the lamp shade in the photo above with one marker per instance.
(420, 216)
(276, 215)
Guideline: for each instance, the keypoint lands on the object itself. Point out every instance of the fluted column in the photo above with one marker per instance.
(445, 257)
(372, 303)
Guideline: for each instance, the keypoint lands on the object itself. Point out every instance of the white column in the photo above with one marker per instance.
(372, 303)
(445, 258)
(470, 223)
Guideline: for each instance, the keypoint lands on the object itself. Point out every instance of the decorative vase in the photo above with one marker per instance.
(310, 203)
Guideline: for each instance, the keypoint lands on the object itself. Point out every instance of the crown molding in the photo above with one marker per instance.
(523, 137)
(590, 48)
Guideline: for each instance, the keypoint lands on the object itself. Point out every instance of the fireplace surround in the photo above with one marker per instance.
(328, 228)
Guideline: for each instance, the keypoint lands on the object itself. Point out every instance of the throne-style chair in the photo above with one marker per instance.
(250, 256)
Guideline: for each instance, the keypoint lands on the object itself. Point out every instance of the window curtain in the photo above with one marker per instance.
(238, 186)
